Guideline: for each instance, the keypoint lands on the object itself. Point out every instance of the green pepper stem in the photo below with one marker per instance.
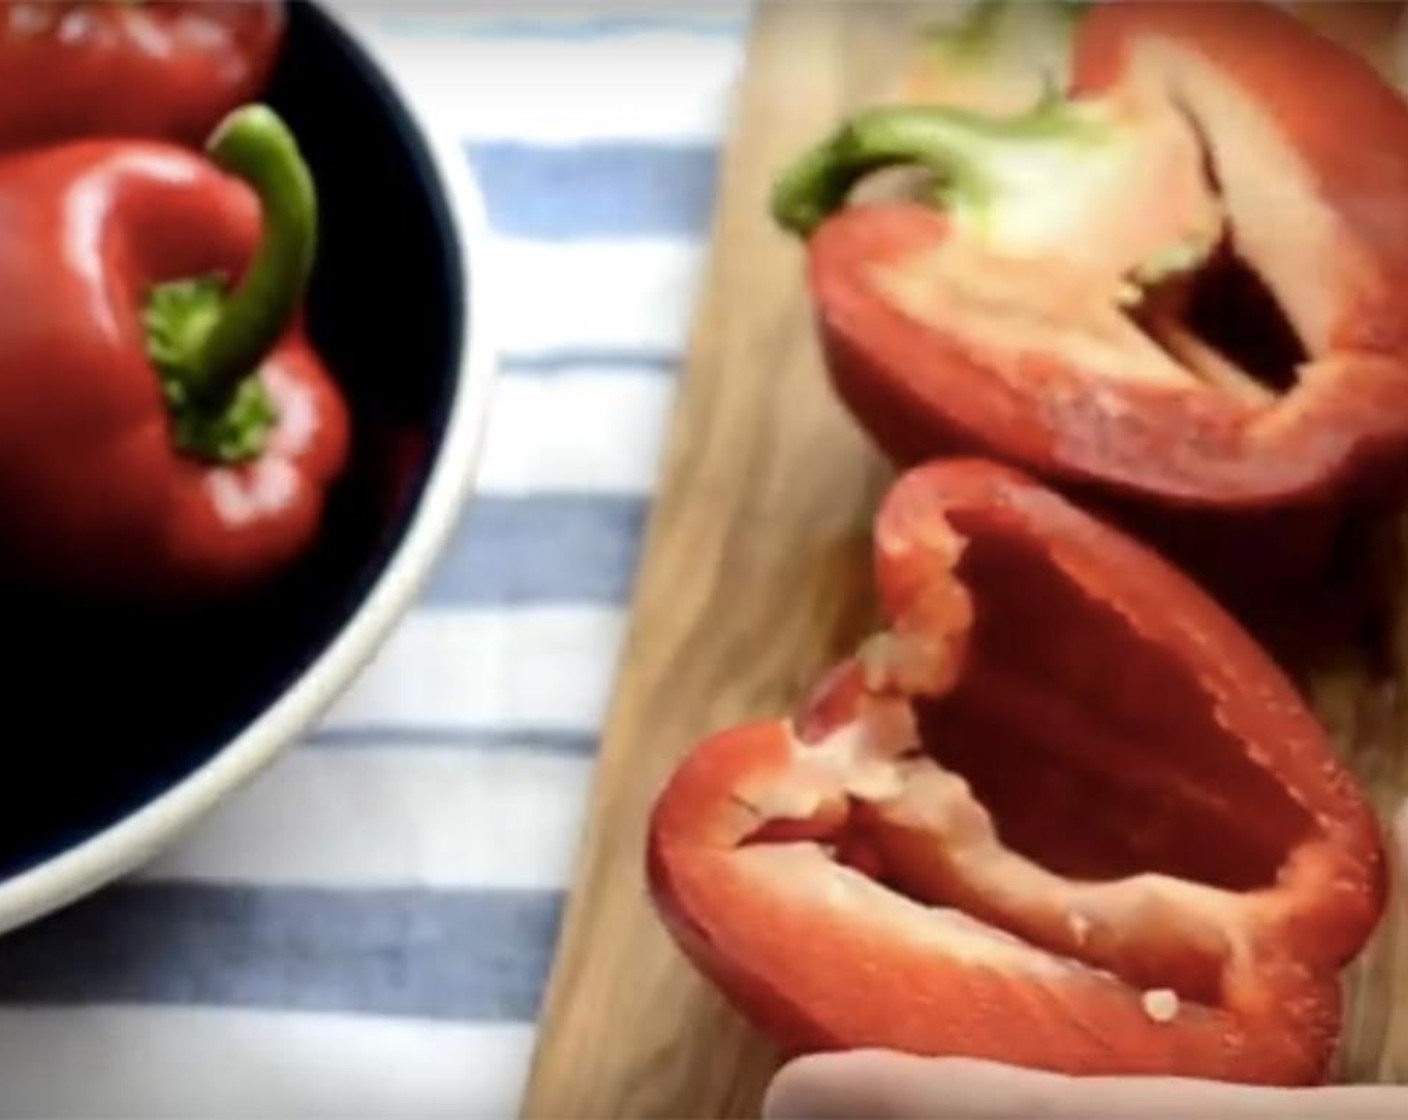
(254, 144)
(964, 150)
(206, 342)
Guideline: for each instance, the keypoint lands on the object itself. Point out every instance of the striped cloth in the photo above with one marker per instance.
(367, 929)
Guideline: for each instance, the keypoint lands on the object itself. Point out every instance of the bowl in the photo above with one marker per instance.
(125, 725)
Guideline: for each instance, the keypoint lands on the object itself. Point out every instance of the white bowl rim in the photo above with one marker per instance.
(136, 838)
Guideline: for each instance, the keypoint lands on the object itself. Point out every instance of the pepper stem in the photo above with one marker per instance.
(256, 145)
(972, 156)
(207, 342)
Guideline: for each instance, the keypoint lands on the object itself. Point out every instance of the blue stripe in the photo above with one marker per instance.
(468, 955)
(586, 27)
(549, 362)
(544, 740)
(545, 549)
(608, 190)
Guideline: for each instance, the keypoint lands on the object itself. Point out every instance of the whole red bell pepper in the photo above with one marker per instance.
(1181, 288)
(169, 429)
(163, 70)
(1063, 813)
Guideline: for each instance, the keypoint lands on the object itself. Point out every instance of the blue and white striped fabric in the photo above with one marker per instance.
(366, 931)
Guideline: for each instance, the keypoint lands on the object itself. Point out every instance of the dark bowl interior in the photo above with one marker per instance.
(121, 703)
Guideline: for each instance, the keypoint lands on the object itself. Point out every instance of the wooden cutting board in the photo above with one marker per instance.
(756, 574)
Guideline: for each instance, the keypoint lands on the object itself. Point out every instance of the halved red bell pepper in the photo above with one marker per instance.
(1184, 287)
(167, 70)
(1062, 813)
(168, 428)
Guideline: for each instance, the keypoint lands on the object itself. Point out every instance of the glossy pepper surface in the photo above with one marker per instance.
(169, 429)
(1182, 284)
(1061, 813)
(163, 70)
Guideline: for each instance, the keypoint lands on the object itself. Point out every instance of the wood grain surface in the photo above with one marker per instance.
(756, 574)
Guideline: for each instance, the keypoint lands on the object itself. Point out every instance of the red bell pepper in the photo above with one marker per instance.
(164, 70)
(1063, 813)
(168, 427)
(1184, 287)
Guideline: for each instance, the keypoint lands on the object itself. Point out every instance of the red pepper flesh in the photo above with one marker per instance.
(1062, 813)
(166, 70)
(97, 492)
(1052, 310)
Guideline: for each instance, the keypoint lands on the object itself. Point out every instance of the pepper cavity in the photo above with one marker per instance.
(1184, 280)
(1068, 777)
(1065, 814)
(1100, 214)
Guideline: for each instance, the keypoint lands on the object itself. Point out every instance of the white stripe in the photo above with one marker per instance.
(592, 432)
(403, 816)
(618, 295)
(542, 667)
(192, 1064)
(646, 86)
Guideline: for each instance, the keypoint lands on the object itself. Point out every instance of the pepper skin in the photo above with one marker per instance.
(1063, 813)
(1081, 298)
(166, 435)
(164, 70)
